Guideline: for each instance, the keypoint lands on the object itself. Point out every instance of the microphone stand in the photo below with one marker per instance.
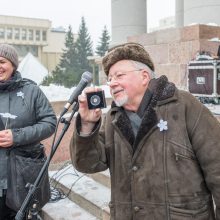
(28, 202)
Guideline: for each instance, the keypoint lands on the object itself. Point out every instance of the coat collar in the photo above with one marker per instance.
(15, 82)
(163, 92)
(12, 83)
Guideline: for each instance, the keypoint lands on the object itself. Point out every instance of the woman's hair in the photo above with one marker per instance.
(140, 65)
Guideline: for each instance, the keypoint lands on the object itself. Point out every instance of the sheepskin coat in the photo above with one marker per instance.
(174, 172)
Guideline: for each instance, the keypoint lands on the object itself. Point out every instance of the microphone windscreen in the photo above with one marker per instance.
(87, 76)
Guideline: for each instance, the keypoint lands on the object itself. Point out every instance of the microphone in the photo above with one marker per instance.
(85, 80)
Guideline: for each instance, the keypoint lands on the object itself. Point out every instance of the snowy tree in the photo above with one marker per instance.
(103, 44)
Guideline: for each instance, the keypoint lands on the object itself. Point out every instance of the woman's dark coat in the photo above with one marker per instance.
(173, 173)
(26, 111)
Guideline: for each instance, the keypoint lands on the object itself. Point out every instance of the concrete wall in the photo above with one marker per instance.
(50, 60)
(128, 18)
(179, 13)
(197, 11)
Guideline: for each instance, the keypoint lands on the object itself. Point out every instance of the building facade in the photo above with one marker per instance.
(129, 17)
(33, 35)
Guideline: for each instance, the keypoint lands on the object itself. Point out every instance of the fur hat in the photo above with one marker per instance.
(127, 51)
(10, 53)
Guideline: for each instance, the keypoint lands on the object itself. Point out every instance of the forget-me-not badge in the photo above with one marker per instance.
(20, 94)
(162, 125)
(8, 115)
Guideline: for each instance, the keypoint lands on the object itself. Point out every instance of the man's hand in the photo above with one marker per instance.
(6, 138)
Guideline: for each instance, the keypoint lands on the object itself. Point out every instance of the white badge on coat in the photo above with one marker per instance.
(20, 94)
(162, 125)
(8, 115)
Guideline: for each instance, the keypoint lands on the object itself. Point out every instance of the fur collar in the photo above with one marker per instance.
(162, 91)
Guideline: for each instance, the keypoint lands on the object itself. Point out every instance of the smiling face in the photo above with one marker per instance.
(6, 69)
(128, 84)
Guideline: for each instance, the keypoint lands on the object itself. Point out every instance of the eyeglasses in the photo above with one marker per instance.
(119, 75)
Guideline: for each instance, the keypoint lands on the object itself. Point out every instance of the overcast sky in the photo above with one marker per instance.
(97, 13)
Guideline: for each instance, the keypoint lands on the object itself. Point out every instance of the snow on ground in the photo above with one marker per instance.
(60, 93)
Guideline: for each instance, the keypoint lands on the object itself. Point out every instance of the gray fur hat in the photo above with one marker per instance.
(127, 51)
(10, 53)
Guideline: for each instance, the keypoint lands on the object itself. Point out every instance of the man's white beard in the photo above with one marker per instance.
(122, 101)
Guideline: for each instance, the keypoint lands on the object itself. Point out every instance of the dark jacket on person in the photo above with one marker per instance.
(27, 112)
(173, 172)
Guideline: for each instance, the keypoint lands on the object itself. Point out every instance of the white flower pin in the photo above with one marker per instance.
(8, 115)
(162, 125)
(20, 94)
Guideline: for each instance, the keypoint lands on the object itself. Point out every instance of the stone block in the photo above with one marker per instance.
(168, 36)
(183, 77)
(174, 72)
(189, 33)
(207, 31)
(58, 106)
(209, 46)
(158, 53)
(183, 52)
(144, 39)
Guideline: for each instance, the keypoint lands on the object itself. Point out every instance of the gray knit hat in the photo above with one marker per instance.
(127, 51)
(10, 53)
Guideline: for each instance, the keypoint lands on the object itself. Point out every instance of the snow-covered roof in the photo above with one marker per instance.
(32, 69)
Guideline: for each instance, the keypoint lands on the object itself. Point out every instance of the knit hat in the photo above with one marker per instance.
(127, 51)
(10, 53)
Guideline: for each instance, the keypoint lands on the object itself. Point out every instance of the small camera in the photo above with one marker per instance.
(96, 99)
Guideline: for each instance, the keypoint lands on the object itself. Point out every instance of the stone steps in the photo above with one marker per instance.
(101, 177)
(65, 209)
(88, 196)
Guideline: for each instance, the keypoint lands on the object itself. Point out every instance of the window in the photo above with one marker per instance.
(9, 33)
(17, 33)
(37, 37)
(2, 33)
(24, 34)
(31, 35)
(44, 36)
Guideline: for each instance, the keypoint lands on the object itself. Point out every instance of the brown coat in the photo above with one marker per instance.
(173, 173)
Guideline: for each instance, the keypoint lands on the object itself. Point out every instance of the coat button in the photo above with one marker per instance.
(134, 168)
(136, 208)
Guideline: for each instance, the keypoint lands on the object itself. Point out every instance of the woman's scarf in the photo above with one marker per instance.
(12, 83)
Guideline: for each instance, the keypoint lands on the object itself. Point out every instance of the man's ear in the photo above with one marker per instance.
(146, 77)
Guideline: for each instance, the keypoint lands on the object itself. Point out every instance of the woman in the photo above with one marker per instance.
(26, 118)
